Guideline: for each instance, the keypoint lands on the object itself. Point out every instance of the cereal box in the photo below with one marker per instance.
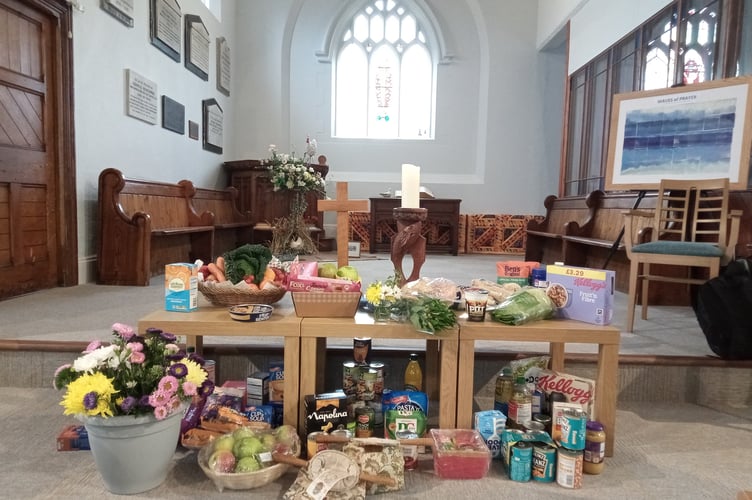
(276, 381)
(581, 293)
(181, 287)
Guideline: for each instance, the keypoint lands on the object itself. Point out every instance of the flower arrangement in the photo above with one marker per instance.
(291, 173)
(133, 375)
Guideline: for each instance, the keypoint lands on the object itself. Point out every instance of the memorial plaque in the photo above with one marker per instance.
(173, 115)
(192, 130)
(166, 18)
(141, 97)
(122, 10)
(223, 66)
(213, 117)
(196, 46)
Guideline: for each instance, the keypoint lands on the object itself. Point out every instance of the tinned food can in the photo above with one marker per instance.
(544, 463)
(362, 350)
(520, 461)
(314, 446)
(364, 421)
(573, 429)
(367, 384)
(569, 468)
(378, 386)
(350, 377)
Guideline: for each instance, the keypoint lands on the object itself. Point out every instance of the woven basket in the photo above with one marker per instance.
(240, 480)
(325, 304)
(233, 296)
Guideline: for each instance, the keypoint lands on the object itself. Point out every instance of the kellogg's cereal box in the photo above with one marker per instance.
(581, 293)
(181, 287)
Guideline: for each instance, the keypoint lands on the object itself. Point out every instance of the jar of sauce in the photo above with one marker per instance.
(595, 448)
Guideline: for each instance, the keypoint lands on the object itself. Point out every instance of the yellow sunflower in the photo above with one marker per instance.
(91, 394)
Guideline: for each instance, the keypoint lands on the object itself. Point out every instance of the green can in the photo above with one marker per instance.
(365, 420)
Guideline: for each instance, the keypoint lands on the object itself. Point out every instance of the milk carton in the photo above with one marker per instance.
(181, 287)
(582, 293)
(490, 424)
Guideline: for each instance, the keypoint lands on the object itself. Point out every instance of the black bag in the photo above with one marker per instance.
(724, 311)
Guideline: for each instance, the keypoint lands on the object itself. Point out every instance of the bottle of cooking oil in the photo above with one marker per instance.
(413, 374)
(520, 405)
(503, 393)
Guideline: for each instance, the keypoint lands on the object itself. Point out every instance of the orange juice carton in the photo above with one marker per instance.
(181, 287)
(515, 271)
(582, 293)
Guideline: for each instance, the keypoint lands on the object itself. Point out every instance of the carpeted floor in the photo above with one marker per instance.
(663, 451)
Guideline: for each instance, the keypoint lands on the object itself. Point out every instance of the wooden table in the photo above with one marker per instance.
(216, 321)
(556, 333)
(440, 372)
(441, 213)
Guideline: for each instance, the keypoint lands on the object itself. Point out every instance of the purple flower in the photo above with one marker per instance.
(153, 331)
(178, 370)
(199, 360)
(128, 404)
(169, 337)
(90, 400)
(143, 401)
(207, 387)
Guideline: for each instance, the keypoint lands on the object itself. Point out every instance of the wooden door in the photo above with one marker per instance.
(37, 201)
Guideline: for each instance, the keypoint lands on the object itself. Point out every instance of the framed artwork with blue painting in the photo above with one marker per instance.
(699, 131)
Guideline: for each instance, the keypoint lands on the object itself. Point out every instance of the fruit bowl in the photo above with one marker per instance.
(239, 480)
(220, 295)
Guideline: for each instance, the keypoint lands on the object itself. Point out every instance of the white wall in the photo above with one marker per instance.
(106, 137)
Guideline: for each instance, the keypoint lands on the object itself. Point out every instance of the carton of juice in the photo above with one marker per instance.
(181, 287)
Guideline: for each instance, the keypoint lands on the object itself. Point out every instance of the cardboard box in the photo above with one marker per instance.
(581, 293)
(73, 438)
(257, 386)
(277, 381)
(326, 412)
(181, 287)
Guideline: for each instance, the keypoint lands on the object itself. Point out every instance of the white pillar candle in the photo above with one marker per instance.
(410, 186)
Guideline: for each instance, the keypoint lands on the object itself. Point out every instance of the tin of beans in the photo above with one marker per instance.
(520, 462)
(573, 429)
(544, 463)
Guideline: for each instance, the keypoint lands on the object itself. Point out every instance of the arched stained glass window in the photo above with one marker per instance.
(384, 75)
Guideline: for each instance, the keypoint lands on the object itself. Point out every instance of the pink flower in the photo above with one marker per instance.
(189, 388)
(174, 404)
(168, 384)
(93, 346)
(125, 331)
(158, 398)
(160, 412)
(135, 346)
(137, 358)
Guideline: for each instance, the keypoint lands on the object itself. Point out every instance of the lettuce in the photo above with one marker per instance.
(529, 304)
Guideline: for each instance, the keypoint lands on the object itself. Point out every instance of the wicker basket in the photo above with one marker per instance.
(233, 296)
(325, 304)
(239, 480)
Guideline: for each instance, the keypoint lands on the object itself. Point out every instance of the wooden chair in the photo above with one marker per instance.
(691, 227)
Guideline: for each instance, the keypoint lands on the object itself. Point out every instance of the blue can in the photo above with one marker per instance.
(520, 462)
(573, 429)
(538, 278)
(544, 463)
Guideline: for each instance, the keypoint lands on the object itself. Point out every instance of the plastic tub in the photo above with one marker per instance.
(460, 454)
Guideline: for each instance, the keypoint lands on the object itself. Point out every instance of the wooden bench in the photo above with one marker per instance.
(232, 228)
(564, 216)
(144, 225)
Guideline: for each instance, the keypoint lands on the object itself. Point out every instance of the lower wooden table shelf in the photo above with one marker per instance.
(556, 333)
(440, 372)
(216, 321)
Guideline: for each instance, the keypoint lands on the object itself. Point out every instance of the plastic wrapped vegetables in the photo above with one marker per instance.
(529, 304)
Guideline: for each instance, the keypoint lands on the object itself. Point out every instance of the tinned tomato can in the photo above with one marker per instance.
(364, 421)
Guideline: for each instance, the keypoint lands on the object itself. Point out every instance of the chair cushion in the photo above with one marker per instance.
(679, 248)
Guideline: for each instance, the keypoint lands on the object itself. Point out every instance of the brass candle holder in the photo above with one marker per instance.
(409, 240)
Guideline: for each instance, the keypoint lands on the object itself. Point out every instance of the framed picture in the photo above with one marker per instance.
(165, 24)
(122, 10)
(223, 66)
(353, 249)
(213, 118)
(196, 46)
(700, 131)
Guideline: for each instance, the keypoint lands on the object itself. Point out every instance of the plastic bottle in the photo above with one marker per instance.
(503, 393)
(413, 374)
(595, 448)
(520, 405)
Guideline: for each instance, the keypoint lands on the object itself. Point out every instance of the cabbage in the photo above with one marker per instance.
(529, 304)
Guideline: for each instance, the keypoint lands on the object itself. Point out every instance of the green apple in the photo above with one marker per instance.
(328, 270)
(247, 447)
(222, 461)
(243, 432)
(348, 272)
(224, 442)
(247, 464)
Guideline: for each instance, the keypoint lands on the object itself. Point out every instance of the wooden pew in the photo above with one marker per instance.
(232, 228)
(564, 216)
(144, 225)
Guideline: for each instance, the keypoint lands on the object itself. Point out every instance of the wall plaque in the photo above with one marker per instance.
(196, 46)
(192, 130)
(166, 18)
(173, 115)
(141, 97)
(213, 117)
(122, 10)
(223, 66)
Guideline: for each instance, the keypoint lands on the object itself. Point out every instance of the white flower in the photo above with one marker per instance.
(95, 358)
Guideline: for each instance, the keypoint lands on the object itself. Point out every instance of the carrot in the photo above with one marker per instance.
(266, 283)
(221, 263)
(216, 271)
(269, 274)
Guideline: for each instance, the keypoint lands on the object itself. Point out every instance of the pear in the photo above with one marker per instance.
(348, 272)
(328, 270)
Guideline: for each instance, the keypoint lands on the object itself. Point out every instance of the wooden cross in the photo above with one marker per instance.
(342, 206)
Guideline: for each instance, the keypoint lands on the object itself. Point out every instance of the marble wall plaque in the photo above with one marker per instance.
(223, 66)
(173, 115)
(213, 125)
(166, 20)
(196, 46)
(141, 97)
